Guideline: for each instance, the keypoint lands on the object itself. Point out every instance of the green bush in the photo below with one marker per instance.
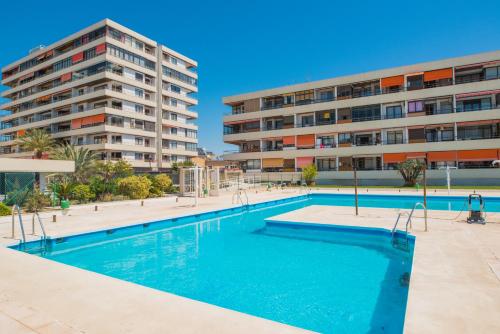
(309, 174)
(135, 187)
(5, 210)
(160, 184)
(410, 170)
(82, 193)
(36, 201)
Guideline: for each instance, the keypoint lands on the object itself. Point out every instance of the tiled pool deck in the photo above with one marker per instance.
(453, 289)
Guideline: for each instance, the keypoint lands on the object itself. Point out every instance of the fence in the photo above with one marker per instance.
(15, 187)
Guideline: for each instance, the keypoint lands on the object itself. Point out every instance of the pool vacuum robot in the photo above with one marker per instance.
(476, 216)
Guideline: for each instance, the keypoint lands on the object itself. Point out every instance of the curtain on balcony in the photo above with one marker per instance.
(442, 156)
(304, 161)
(272, 163)
(80, 122)
(416, 155)
(445, 73)
(477, 155)
(66, 77)
(398, 80)
(77, 58)
(101, 48)
(391, 158)
(305, 141)
(289, 140)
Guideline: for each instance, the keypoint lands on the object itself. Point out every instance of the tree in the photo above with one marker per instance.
(82, 193)
(38, 141)
(160, 184)
(309, 174)
(84, 160)
(122, 168)
(410, 171)
(36, 201)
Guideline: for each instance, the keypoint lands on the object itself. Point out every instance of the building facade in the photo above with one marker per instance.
(445, 112)
(109, 89)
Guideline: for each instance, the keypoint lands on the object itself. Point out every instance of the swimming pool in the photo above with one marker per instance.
(323, 278)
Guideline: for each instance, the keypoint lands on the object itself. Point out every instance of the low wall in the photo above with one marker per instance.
(463, 177)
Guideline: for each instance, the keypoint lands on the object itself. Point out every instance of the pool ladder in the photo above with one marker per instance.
(17, 209)
(408, 223)
(238, 198)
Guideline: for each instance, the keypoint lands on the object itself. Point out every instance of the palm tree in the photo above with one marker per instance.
(36, 140)
(84, 160)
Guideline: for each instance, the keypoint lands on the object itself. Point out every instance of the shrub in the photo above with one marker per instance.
(82, 193)
(410, 171)
(36, 201)
(135, 187)
(161, 184)
(309, 174)
(5, 210)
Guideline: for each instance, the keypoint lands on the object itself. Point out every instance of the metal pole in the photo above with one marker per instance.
(448, 178)
(425, 195)
(196, 186)
(355, 189)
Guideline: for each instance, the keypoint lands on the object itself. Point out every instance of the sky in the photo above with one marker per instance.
(243, 46)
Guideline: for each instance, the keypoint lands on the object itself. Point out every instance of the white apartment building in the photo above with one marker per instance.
(109, 89)
(445, 112)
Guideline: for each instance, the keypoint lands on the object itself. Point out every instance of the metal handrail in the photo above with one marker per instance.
(408, 221)
(15, 208)
(44, 235)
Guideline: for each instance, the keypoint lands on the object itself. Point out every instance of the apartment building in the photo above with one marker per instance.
(109, 89)
(445, 112)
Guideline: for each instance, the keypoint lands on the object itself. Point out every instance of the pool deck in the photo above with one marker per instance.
(453, 289)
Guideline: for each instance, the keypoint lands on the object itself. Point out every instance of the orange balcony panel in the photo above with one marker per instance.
(442, 156)
(394, 157)
(304, 161)
(446, 73)
(478, 155)
(398, 80)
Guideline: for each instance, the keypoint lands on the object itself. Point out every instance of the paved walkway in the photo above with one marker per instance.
(453, 287)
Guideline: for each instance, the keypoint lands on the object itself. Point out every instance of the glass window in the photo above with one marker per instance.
(394, 112)
(491, 73)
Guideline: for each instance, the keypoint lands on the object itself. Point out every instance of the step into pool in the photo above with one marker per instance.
(330, 279)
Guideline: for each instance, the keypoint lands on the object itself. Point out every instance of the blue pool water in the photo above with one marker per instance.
(326, 279)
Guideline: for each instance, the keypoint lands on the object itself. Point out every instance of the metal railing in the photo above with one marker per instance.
(15, 208)
(408, 221)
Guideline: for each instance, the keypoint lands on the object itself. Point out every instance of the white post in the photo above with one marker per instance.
(196, 185)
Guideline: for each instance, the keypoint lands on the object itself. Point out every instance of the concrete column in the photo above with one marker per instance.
(158, 108)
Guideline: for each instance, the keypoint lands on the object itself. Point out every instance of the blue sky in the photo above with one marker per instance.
(243, 46)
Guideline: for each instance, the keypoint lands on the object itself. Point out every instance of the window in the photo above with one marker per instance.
(415, 82)
(173, 144)
(325, 164)
(139, 108)
(138, 156)
(492, 73)
(116, 155)
(173, 117)
(139, 141)
(130, 57)
(139, 92)
(173, 102)
(366, 113)
(415, 106)
(394, 137)
(191, 147)
(344, 138)
(173, 131)
(179, 76)
(394, 112)
(116, 139)
(175, 89)
(139, 76)
(253, 164)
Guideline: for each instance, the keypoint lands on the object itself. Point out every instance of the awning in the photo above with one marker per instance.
(478, 155)
(477, 64)
(446, 73)
(26, 76)
(415, 155)
(486, 122)
(66, 77)
(442, 156)
(304, 161)
(305, 140)
(89, 120)
(394, 157)
(77, 58)
(101, 48)
(242, 121)
(21, 133)
(289, 140)
(484, 92)
(272, 163)
(398, 80)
